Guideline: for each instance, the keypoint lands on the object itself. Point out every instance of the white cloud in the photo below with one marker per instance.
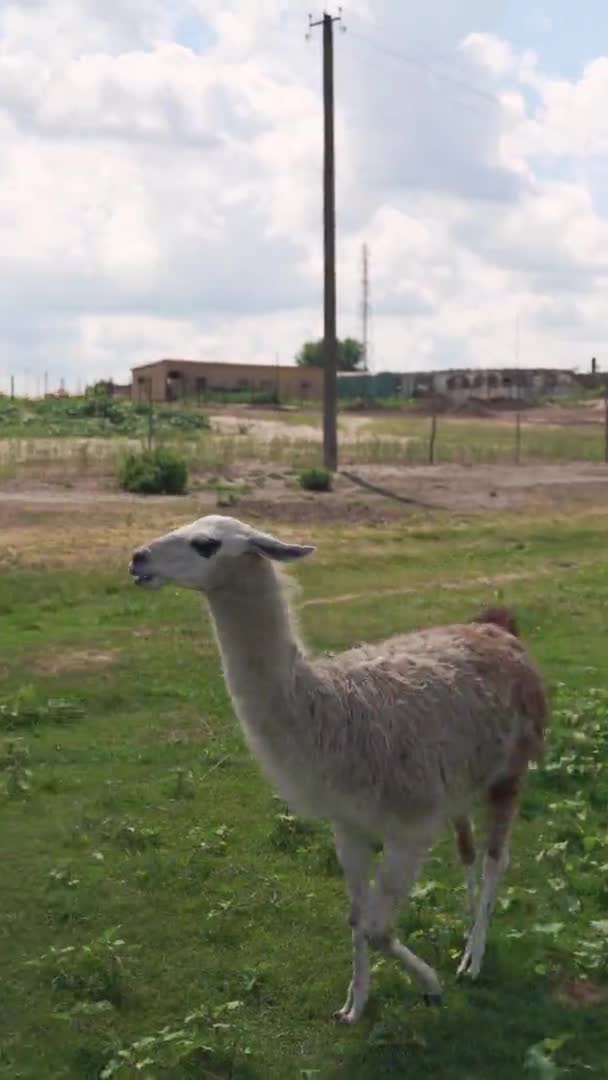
(161, 198)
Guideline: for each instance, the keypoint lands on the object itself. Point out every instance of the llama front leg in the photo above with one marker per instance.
(355, 854)
(396, 875)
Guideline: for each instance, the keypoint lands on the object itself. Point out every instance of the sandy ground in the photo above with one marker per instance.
(277, 496)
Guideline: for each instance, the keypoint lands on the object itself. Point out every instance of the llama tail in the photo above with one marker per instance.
(529, 699)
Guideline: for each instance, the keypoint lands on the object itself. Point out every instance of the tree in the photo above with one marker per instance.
(350, 354)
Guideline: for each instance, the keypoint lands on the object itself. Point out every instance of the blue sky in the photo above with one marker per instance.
(565, 35)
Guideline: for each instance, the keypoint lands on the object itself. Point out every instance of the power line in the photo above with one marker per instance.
(426, 66)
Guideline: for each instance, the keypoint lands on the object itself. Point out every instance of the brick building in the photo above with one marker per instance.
(194, 380)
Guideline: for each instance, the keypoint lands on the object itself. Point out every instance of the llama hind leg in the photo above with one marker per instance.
(502, 804)
(465, 845)
(355, 855)
(395, 877)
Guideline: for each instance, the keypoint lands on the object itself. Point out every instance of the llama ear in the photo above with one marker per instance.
(277, 550)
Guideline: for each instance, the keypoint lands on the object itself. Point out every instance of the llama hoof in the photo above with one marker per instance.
(470, 965)
(432, 1000)
(343, 1016)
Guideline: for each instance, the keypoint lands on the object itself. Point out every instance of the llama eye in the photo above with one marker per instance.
(206, 548)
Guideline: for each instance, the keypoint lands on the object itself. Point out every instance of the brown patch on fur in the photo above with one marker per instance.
(502, 804)
(524, 689)
(582, 993)
(465, 841)
(529, 700)
(499, 616)
(74, 660)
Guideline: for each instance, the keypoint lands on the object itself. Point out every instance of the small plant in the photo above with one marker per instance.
(315, 479)
(206, 1043)
(133, 837)
(153, 472)
(182, 785)
(14, 765)
(228, 494)
(27, 710)
(290, 833)
(98, 971)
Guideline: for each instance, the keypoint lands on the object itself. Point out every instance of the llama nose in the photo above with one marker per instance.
(140, 557)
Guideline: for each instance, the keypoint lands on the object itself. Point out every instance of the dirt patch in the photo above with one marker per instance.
(494, 487)
(68, 660)
(582, 993)
(266, 495)
(193, 731)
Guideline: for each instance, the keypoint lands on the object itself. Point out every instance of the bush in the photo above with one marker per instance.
(317, 479)
(153, 472)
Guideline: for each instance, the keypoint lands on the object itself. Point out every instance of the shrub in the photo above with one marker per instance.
(153, 472)
(316, 479)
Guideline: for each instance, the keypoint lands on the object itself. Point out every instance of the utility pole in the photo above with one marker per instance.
(330, 341)
(518, 388)
(365, 308)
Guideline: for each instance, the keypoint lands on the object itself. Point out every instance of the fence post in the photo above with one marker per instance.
(517, 418)
(433, 434)
(150, 416)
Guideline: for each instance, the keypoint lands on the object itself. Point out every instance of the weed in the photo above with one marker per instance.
(99, 971)
(207, 1040)
(227, 495)
(14, 766)
(182, 784)
(28, 710)
(133, 837)
(290, 833)
(315, 479)
(153, 472)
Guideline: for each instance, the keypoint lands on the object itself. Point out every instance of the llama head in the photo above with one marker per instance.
(208, 554)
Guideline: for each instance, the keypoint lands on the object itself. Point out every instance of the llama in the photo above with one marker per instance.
(387, 741)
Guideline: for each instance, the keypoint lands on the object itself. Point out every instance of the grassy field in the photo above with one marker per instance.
(162, 915)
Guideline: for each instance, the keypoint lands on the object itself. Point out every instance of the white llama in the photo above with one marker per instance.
(387, 742)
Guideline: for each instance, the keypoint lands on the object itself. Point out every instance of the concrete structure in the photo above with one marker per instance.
(491, 384)
(179, 380)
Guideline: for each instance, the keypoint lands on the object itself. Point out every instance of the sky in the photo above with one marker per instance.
(161, 168)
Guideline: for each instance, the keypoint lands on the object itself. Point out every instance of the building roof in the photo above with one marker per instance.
(214, 363)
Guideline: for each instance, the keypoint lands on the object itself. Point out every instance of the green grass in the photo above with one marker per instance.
(476, 442)
(158, 903)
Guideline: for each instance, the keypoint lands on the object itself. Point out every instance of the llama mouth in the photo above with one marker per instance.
(142, 579)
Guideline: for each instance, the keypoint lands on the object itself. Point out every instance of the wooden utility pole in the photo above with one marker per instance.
(518, 387)
(330, 341)
(365, 308)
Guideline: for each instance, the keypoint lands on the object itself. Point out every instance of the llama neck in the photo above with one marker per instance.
(257, 639)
